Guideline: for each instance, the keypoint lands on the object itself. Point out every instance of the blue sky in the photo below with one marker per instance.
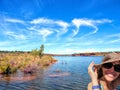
(63, 26)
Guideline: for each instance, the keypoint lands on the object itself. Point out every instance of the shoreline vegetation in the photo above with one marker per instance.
(84, 54)
(30, 62)
(26, 62)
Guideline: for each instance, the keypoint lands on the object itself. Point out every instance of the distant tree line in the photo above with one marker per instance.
(14, 51)
(36, 52)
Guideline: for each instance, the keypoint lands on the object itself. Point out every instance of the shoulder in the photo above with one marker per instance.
(103, 85)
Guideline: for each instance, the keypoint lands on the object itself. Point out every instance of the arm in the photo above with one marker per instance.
(93, 76)
(89, 86)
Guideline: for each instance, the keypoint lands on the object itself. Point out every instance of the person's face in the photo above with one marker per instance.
(111, 74)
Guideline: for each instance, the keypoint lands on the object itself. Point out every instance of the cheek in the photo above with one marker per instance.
(110, 76)
(117, 75)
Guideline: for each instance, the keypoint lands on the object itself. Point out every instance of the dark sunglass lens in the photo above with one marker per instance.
(117, 67)
(107, 65)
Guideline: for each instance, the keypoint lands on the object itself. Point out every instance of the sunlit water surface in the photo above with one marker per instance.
(69, 73)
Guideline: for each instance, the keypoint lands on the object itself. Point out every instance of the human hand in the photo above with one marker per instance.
(92, 71)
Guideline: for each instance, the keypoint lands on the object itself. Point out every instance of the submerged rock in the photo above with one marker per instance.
(59, 74)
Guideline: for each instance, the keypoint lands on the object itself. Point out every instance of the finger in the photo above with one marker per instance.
(95, 71)
(91, 65)
(90, 68)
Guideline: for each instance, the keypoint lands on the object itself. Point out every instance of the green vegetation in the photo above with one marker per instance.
(27, 62)
(39, 52)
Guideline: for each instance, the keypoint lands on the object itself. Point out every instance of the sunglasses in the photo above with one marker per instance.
(110, 65)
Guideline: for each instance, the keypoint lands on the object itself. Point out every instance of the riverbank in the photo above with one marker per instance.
(26, 62)
(84, 54)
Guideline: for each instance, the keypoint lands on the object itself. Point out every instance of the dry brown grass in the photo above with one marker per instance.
(23, 61)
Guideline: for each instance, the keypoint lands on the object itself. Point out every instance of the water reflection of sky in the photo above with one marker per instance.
(70, 74)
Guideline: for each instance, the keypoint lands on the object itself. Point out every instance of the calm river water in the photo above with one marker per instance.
(69, 73)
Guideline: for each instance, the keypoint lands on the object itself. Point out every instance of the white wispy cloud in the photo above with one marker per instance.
(88, 22)
(12, 20)
(64, 28)
(42, 21)
(14, 35)
(62, 24)
(57, 26)
(114, 41)
(57, 32)
(47, 21)
(45, 32)
(102, 21)
(61, 27)
(113, 38)
(114, 35)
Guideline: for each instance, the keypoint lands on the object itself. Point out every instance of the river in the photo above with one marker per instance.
(69, 73)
